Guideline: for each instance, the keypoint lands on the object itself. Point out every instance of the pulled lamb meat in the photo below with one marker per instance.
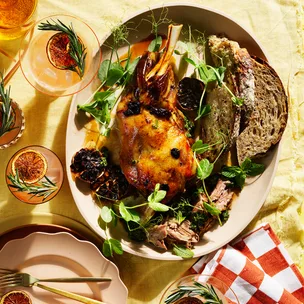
(181, 233)
(157, 235)
(221, 196)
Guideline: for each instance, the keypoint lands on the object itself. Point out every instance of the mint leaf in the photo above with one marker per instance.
(158, 207)
(111, 245)
(128, 214)
(103, 70)
(188, 60)
(179, 217)
(204, 169)
(114, 75)
(155, 44)
(231, 171)
(130, 68)
(116, 246)
(212, 209)
(206, 74)
(199, 147)
(106, 214)
(107, 249)
(252, 169)
(157, 195)
(182, 251)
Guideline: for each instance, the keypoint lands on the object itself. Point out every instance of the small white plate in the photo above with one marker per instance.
(46, 255)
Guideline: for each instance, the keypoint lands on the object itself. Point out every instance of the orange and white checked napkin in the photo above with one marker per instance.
(257, 268)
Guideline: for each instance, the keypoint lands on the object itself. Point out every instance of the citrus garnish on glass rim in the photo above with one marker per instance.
(16, 297)
(65, 50)
(31, 166)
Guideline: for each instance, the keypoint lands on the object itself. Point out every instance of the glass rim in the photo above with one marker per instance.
(166, 292)
(25, 21)
(29, 147)
(21, 128)
(21, 54)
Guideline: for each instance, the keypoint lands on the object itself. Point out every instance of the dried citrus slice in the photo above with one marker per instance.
(16, 297)
(31, 165)
(58, 51)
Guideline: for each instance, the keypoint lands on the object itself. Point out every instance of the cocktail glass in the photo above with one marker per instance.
(224, 292)
(42, 74)
(54, 174)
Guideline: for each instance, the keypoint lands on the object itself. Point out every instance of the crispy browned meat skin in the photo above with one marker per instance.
(154, 147)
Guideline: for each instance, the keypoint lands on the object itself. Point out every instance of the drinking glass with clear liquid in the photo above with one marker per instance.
(16, 17)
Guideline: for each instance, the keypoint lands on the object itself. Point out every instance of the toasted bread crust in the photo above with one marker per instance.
(269, 118)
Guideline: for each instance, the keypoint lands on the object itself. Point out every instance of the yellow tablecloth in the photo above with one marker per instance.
(278, 25)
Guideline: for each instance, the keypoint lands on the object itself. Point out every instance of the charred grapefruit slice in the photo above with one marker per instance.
(31, 166)
(16, 297)
(58, 52)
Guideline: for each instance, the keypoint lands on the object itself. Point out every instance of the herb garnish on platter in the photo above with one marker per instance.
(197, 289)
(42, 188)
(77, 50)
(7, 117)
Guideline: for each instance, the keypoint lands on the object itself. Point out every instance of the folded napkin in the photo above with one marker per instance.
(257, 268)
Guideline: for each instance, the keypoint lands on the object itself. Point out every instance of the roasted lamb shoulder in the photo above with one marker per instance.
(154, 146)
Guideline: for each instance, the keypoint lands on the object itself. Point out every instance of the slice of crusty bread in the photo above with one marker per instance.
(269, 117)
(225, 116)
(239, 70)
(222, 123)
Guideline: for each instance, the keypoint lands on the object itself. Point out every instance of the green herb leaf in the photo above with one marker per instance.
(107, 249)
(179, 217)
(206, 73)
(237, 101)
(158, 207)
(205, 110)
(110, 246)
(252, 169)
(204, 169)
(155, 44)
(189, 126)
(103, 70)
(132, 66)
(157, 195)
(190, 61)
(114, 76)
(224, 215)
(116, 245)
(199, 148)
(212, 209)
(231, 171)
(182, 251)
(106, 214)
(128, 214)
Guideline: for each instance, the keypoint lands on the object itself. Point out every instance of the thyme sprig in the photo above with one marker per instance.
(6, 111)
(77, 49)
(43, 188)
(197, 289)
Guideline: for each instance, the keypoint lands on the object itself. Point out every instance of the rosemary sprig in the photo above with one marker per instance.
(6, 111)
(43, 188)
(197, 289)
(77, 49)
